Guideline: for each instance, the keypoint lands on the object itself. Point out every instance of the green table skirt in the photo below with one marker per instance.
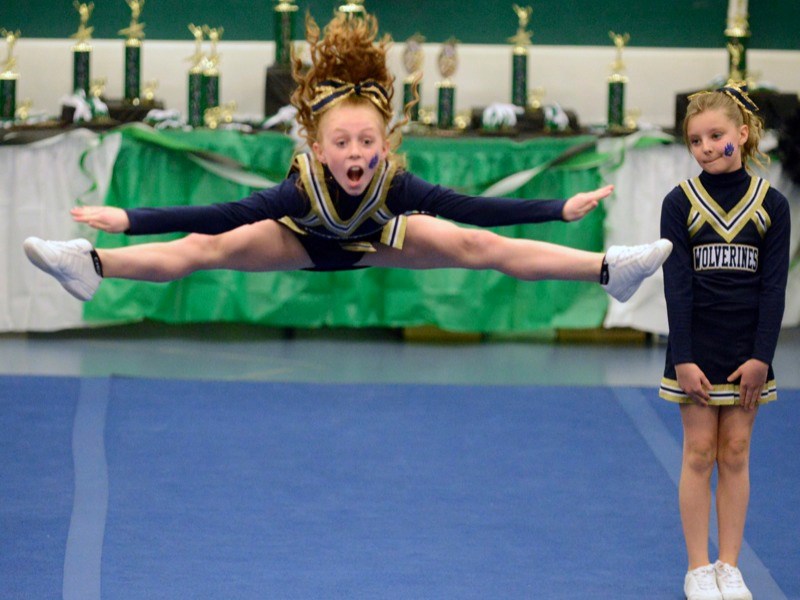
(157, 170)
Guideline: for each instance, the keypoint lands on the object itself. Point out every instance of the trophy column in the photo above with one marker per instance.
(210, 80)
(134, 34)
(194, 107)
(413, 57)
(616, 84)
(738, 33)
(519, 66)
(279, 83)
(446, 105)
(82, 50)
(8, 78)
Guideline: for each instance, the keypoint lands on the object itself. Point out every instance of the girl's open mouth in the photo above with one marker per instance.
(355, 173)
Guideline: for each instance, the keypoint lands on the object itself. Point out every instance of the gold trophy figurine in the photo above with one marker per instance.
(212, 60)
(737, 25)
(8, 77)
(354, 8)
(149, 91)
(197, 59)
(10, 63)
(84, 33)
(135, 31)
(616, 83)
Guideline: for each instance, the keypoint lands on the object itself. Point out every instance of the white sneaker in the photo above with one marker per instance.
(628, 266)
(69, 262)
(701, 584)
(730, 582)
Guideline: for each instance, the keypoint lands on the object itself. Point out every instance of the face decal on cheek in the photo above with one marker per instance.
(729, 149)
(373, 162)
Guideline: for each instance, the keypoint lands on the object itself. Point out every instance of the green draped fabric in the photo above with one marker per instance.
(155, 170)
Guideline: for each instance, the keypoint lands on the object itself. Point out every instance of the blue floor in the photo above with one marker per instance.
(121, 487)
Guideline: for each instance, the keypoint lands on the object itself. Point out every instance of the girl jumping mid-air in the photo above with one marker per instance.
(347, 203)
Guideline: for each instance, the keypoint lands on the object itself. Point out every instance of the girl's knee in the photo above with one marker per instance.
(477, 245)
(734, 454)
(201, 249)
(700, 456)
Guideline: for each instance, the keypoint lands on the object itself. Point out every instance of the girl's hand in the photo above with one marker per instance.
(105, 218)
(580, 204)
(752, 375)
(693, 382)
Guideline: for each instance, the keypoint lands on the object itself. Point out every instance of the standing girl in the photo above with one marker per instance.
(724, 284)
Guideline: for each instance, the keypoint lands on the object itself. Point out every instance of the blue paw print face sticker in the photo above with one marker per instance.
(729, 149)
(374, 162)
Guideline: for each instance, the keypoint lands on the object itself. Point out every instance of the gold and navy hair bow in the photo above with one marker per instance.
(737, 93)
(332, 91)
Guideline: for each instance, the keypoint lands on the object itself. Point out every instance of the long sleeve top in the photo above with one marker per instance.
(407, 194)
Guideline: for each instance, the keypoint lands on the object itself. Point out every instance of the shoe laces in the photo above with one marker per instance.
(730, 574)
(704, 576)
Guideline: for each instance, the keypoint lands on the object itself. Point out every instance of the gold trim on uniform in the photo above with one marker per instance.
(726, 394)
(323, 212)
(727, 224)
(762, 221)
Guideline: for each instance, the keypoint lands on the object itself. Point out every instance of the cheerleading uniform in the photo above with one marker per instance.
(336, 229)
(725, 281)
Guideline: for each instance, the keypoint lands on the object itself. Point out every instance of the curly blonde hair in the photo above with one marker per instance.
(722, 101)
(349, 50)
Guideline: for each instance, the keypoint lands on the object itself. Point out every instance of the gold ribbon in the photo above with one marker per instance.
(333, 91)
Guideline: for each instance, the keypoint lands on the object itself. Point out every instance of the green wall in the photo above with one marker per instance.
(669, 23)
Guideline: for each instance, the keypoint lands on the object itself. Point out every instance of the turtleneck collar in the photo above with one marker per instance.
(724, 180)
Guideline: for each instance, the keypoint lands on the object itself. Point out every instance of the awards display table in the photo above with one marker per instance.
(137, 167)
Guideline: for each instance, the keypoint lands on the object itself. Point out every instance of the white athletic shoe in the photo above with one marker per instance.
(730, 582)
(628, 266)
(69, 262)
(701, 584)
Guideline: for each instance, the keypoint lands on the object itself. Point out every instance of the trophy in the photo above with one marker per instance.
(737, 32)
(521, 41)
(284, 31)
(448, 62)
(413, 57)
(616, 83)
(149, 91)
(195, 106)
(82, 50)
(279, 83)
(134, 34)
(211, 70)
(354, 8)
(8, 77)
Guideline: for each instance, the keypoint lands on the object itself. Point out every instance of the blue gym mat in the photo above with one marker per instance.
(141, 488)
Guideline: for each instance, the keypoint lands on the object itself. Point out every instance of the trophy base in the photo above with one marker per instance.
(119, 111)
(278, 89)
(531, 122)
(125, 111)
(776, 108)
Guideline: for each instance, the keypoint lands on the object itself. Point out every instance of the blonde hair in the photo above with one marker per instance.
(349, 51)
(738, 114)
